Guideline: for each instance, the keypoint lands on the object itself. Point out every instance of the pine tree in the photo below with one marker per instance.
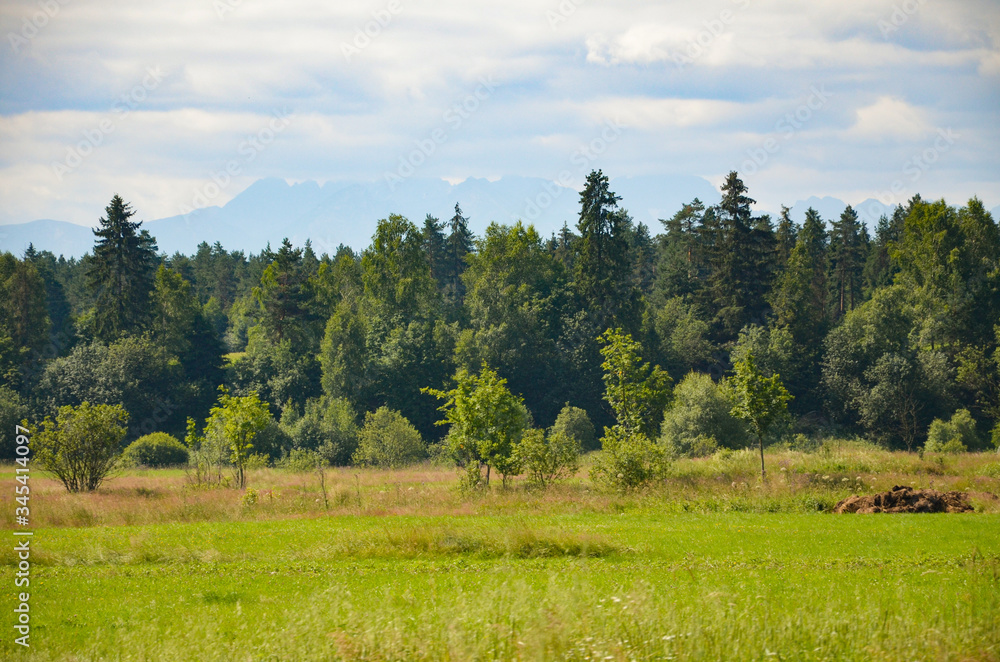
(785, 237)
(281, 295)
(680, 267)
(121, 272)
(434, 247)
(736, 277)
(458, 244)
(847, 261)
(604, 263)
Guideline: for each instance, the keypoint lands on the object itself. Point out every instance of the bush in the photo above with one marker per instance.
(955, 436)
(548, 458)
(700, 420)
(627, 461)
(158, 449)
(300, 460)
(81, 447)
(388, 440)
(327, 427)
(573, 422)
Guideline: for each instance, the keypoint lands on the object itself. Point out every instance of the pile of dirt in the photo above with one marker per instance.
(906, 500)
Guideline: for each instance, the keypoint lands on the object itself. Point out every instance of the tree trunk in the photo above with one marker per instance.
(760, 443)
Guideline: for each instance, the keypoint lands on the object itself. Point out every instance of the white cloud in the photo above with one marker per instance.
(890, 118)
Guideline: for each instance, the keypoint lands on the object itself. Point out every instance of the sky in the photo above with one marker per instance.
(182, 104)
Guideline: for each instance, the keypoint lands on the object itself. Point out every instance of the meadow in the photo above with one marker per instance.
(393, 565)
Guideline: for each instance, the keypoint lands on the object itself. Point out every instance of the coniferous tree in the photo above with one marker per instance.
(604, 263)
(737, 279)
(121, 272)
(434, 247)
(847, 261)
(458, 244)
(785, 237)
(282, 296)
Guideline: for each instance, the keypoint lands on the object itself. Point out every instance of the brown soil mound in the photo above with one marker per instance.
(906, 500)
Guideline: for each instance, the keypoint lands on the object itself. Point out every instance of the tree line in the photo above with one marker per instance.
(876, 332)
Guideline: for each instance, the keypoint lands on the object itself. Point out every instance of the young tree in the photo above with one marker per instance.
(238, 420)
(636, 392)
(547, 458)
(760, 401)
(82, 446)
(486, 422)
(121, 272)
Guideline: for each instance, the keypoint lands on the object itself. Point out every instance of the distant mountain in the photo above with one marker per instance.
(57, 236)
(830, 209)
(346, 212)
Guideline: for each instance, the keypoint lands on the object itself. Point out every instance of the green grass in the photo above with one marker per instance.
(640, 584)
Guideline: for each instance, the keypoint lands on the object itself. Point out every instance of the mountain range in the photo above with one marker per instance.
(345, 212)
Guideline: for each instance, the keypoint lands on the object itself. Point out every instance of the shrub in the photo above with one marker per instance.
(300, 460)
(388, 440)
(158, 449)
(547, 458)
(955, 436)
(327, 427)
(627, 461)
(81, 447)
(573, 422)
(700, 420)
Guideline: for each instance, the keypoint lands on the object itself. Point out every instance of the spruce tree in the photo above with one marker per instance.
(847, 262)
(456, 247)
(604, 277)
(121, 272)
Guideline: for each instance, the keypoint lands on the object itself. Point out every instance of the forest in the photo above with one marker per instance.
(877, 333)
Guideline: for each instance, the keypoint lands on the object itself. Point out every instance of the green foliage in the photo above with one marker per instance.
(282, 297)
(683, 336)
(954, 436)
(121, 273)
(300, 460)
(636, 392)
(388, 440)
(574, 423)
(158, 449)
(627, 460)
(237, 421)
(700, 420)
(327, 427)
(13, 410)
(134, 372)
(760, 401)
(486, 422)
(276, 370)
(546, 458)
(603, 263)
(81, 447)
(23, 312)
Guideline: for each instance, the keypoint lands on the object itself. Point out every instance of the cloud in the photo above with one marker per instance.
(890, 118)
(697, 86)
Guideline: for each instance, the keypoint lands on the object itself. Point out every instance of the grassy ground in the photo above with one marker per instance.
(711, 565)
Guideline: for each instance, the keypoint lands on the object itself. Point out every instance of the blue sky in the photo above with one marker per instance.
(852, 98)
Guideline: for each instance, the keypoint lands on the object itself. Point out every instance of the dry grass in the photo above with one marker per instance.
(796, 482)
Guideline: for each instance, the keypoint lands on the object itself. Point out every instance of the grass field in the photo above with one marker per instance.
(401, 565)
